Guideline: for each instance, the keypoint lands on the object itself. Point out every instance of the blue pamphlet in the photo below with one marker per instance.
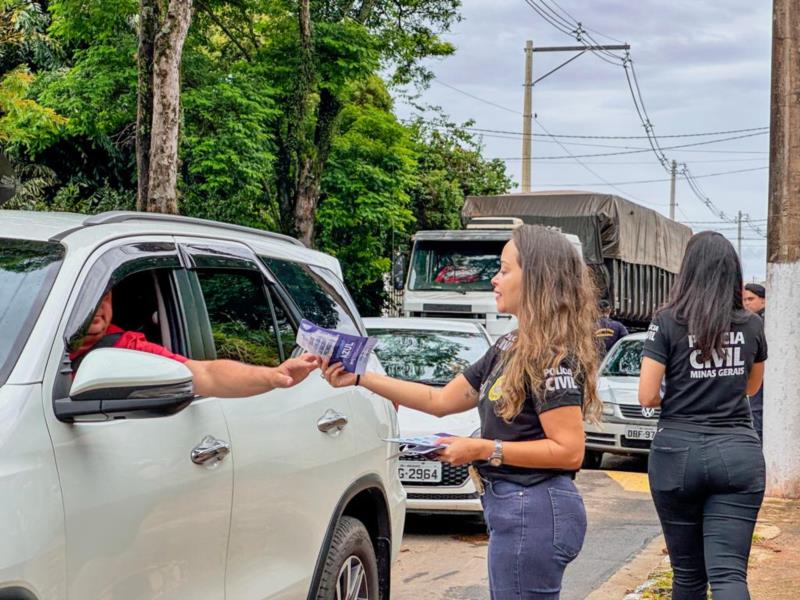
(351, 350)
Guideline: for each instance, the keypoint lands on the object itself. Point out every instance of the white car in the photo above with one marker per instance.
(118, 482)
(626, 427)
(432, 351)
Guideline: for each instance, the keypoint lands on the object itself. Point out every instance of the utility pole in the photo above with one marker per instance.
(674, 172)
(739, 235)
(782, 377)
(527, 107)
(527, 118)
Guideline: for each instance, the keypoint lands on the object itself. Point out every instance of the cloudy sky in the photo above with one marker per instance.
(702, 65)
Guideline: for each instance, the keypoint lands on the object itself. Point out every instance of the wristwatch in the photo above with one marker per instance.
(496, 459)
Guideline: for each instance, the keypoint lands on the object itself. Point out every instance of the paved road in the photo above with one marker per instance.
(444, 558)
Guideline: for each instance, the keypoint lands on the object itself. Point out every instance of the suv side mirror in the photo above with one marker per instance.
(399, 272)
(115, 383)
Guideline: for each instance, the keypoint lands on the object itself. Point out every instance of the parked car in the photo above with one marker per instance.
(626, 427)
(137, 489)
(432, 351)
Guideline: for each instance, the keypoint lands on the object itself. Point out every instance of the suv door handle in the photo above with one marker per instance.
(331, 422)
(210, 449)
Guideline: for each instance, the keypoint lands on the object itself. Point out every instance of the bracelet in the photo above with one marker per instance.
(358, 379)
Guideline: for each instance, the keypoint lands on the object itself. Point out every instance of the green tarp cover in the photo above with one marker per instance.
(608, 226)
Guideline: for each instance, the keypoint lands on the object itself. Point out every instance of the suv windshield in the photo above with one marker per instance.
(27, 270)
(433, 357)
(465, 266)
(624, 360)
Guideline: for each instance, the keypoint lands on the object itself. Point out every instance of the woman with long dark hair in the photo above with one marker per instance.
(533, 389)
(706, 467)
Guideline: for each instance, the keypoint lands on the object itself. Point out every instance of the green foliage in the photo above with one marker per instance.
(68, 79)
(97, 93)
(451, 167)
(228, 147)
(365, 204)
(23, 121)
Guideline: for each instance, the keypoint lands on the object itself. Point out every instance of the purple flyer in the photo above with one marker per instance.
(351, 350)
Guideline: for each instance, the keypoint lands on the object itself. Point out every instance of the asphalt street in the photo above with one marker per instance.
(444, 557)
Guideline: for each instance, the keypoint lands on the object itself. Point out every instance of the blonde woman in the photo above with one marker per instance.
(532, 389)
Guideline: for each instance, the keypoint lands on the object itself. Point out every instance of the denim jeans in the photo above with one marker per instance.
(534, 533)
(708, 489)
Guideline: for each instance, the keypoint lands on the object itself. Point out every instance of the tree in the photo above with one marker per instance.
(342, 42)
(450, 168)
(167, 52)
(364, 204)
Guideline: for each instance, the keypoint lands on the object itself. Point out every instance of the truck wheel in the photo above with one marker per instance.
(592, 459)
(351, 568)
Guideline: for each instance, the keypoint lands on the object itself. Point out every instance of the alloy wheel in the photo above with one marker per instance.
(351, 584)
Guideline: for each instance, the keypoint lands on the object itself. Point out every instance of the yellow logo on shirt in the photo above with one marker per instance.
(496, 391)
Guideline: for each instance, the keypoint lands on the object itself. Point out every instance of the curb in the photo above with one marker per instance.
(631, 575)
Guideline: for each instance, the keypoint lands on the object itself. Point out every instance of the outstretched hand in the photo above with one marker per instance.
(294, 370)
(336, 375)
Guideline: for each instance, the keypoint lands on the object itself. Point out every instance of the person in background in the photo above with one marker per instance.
(221, 378)
(608, 330)
(706, 468)
(533, 389)
(754, 298)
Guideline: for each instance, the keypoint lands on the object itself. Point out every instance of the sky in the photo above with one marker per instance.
(702, 66)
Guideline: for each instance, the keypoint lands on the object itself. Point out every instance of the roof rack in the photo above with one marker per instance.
(120, 216)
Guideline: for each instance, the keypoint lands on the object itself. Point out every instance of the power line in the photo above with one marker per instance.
(642, 181)
(761, 130)
(641, 150)
(489, 102)
(592, 171)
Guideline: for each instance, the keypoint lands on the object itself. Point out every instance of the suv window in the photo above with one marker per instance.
(317, 299)
(27, 271)
(240, 313)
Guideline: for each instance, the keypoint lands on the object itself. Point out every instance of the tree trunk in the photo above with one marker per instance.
(295, 148)
(167, 53)
(310, 176)
(148, 25)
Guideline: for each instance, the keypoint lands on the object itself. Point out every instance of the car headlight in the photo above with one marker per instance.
(608, 409)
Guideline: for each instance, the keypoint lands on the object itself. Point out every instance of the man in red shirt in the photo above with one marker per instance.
(221, 377)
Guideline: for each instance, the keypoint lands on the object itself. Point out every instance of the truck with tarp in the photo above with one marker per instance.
(634, 254)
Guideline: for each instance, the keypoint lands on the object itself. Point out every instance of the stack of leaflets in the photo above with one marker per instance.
(351, 350)
(425, 445)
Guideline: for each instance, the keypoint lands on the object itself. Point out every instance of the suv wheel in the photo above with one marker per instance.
(351, 569)
(592, 459)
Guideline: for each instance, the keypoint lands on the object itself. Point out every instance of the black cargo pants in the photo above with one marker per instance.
(708, 489)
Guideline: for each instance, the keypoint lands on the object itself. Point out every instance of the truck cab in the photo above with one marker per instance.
(450, 274)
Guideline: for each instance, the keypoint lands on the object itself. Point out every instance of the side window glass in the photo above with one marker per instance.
(240, 316)
(286, 329)
(316, 299)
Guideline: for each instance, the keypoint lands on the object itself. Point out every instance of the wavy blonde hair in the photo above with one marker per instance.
(557, 321)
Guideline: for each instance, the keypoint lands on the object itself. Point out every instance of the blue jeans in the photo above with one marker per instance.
(534, 533)
(707, 489)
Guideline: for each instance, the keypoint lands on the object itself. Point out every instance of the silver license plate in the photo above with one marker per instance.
(420, 471)
(639, 432)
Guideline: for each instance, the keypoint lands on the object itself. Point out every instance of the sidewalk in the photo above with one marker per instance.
(774, 572)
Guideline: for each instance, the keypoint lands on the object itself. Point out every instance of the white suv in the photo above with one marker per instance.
(135, 489)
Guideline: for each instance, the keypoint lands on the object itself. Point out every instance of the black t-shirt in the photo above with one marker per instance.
(486, 377)
(708, 393)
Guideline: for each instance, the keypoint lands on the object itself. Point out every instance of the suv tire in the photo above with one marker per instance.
(351, 568)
